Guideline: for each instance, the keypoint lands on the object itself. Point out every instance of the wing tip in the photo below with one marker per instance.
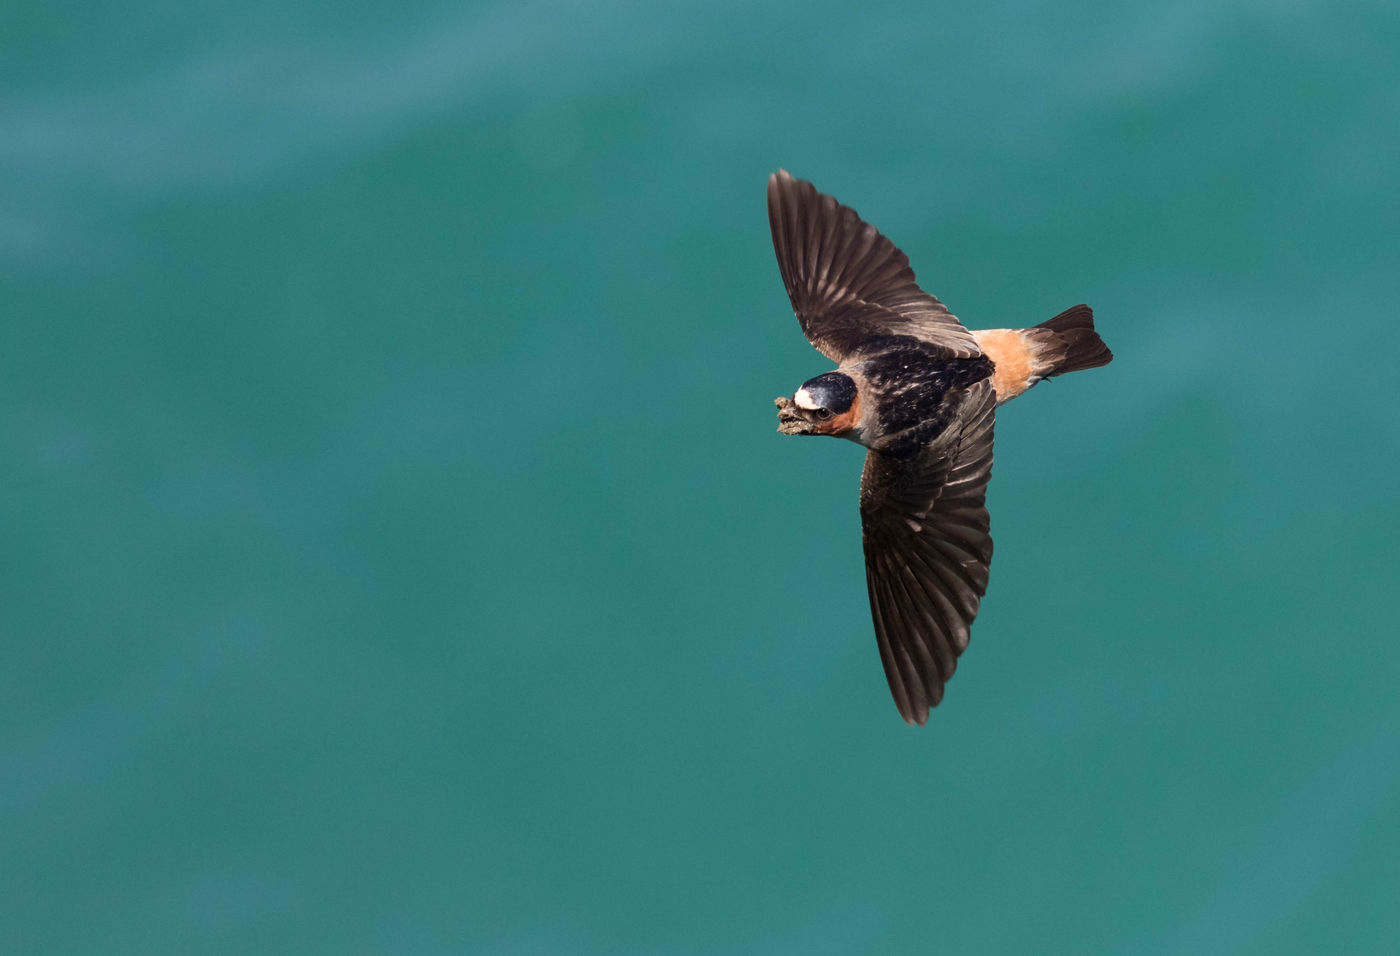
(784, 184)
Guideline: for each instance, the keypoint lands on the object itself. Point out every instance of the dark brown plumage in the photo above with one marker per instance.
(925, 396)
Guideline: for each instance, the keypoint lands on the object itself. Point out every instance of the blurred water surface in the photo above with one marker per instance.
(399, 555)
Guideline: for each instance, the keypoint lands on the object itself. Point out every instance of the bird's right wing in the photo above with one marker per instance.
(846, 281)
(928, 549)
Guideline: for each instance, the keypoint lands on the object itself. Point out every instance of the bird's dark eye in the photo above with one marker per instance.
(823, 414)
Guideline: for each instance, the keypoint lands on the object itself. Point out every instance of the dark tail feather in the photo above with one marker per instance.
(1082, 347)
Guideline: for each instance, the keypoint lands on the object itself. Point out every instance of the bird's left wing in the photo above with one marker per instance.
(928, 548)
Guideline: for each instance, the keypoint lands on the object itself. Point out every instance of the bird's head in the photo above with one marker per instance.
(826, 405)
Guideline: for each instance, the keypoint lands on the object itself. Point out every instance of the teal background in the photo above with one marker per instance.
(399, 556)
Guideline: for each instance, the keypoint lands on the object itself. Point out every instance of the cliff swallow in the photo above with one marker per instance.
(920, 392)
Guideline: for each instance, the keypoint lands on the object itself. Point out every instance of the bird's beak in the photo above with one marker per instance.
(789, 422)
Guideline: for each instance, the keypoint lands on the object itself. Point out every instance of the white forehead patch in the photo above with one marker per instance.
(803, 399)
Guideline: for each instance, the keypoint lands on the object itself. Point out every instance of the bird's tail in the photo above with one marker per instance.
(1070, 345)
(1022, 357)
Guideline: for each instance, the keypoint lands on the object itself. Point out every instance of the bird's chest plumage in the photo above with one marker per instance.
(915, 392)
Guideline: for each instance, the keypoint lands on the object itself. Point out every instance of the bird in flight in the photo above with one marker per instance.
(920, 392)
